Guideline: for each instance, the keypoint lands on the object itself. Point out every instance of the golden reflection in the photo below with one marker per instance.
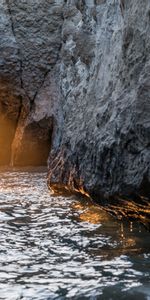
(62, 189)
(128, 209)
(7, 130)
(119, 207)
(78, 206)
(122, 232)
(127, 241)
(93, 216)
(82, 191)
(131, 226)
(91, 213)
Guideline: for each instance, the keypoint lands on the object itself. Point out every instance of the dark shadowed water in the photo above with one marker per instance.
(66, 248)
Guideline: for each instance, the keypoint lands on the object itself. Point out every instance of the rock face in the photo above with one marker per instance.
(76, 74)
(105, 83)
(30, 35)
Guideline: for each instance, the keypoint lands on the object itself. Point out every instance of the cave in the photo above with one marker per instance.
(10, 104)
(22, 143)
(7, 131)
(35, 144)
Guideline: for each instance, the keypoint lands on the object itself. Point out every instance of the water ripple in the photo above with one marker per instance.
(66, 248)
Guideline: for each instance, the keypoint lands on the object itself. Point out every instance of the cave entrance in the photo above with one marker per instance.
(25, 140)
(28, 147)
(34, 145)
(10, 105)
(7, 132)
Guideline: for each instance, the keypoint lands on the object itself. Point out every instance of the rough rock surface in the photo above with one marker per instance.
(77, 73)
(30, 35)
(105, 84)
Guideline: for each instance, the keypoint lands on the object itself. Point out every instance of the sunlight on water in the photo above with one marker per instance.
(66, 248)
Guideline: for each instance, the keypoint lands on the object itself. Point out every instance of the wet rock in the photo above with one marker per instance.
(82, 69)
(105, 71)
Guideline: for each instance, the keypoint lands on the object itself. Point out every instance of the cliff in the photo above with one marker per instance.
(75, 77)
(105, 87)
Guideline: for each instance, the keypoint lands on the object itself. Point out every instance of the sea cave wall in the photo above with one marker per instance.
(30, 42)
(75, 81)
(105, 83)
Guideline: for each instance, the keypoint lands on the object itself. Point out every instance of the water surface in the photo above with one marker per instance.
(66, 248)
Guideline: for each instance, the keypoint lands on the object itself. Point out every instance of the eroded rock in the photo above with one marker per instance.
(105, 146)
(81, 68)
(30, 34)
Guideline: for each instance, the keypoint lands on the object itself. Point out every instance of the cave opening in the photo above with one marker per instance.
(31, 147)
(10, 104)
(7, 132)
(25, 137)
(34, 148)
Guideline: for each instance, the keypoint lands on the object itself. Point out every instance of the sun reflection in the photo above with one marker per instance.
(82, 191)
(131, 210)
(87, 212)
(126, 237)
(122, 232)
(131, 226)
(88, 216)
